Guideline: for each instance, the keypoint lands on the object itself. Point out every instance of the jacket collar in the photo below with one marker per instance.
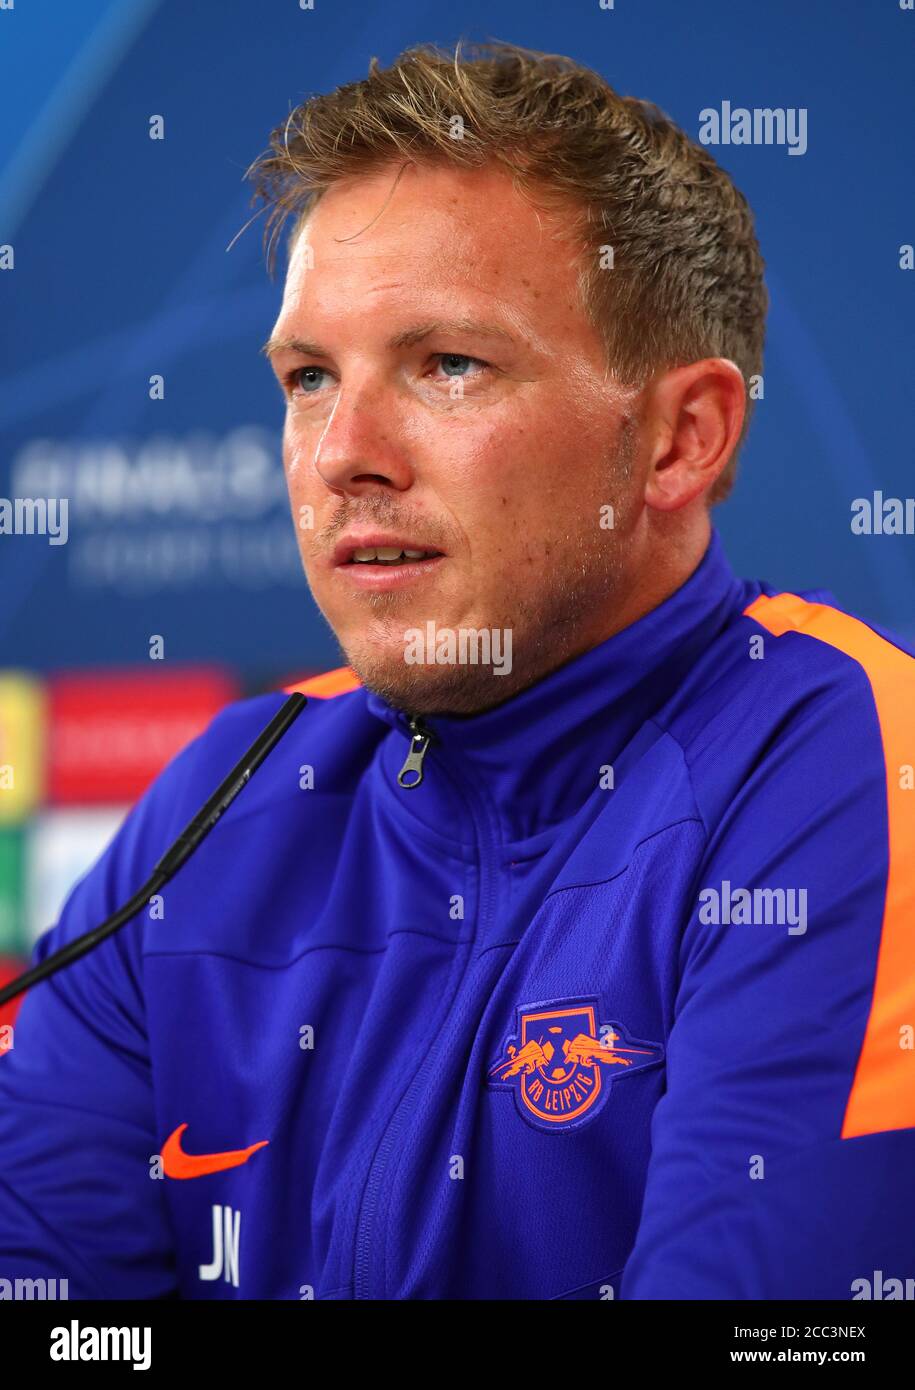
(538, 756)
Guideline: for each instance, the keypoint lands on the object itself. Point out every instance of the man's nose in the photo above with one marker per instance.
(362, 446)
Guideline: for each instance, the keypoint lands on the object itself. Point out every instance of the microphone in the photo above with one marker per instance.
(190, 838)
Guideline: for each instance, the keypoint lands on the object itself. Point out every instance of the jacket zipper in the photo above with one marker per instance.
(420, 738)
(403, 1110)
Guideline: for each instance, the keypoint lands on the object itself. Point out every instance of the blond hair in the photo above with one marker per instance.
(687, 274)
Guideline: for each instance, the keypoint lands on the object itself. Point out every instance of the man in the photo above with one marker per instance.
(563, 947)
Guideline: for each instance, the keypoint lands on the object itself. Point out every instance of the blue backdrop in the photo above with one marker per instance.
(178, 523)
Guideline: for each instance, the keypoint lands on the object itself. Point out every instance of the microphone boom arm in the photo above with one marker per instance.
(191, 836)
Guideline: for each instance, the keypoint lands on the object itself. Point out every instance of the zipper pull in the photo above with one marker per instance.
(420, 738)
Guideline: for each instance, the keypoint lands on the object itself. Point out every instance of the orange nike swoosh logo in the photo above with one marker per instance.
(178, 1164)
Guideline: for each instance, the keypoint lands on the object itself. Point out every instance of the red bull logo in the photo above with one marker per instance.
(561, 1060)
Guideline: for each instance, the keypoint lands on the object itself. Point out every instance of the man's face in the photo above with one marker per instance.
(449, 395)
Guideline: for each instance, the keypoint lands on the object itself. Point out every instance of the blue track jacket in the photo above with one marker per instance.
(619, 1001)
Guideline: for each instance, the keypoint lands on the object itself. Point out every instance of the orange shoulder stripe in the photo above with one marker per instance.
(882, 1095)
(327, 684)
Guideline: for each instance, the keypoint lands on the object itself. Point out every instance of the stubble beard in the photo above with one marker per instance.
(548, 628)
(564, 617)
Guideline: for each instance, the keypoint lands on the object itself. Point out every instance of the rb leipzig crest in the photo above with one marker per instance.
(562, 1060)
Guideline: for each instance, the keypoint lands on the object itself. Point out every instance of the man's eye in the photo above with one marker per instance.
(456, 363)
(305, 380)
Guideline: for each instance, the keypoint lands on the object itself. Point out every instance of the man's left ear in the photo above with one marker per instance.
(694, 414)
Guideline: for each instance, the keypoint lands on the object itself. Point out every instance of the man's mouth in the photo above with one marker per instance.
(382, 548)
(378, 562)
(389, 555)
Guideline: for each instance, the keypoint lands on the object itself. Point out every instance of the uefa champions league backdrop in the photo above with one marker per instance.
(133, 307)
(178, 522)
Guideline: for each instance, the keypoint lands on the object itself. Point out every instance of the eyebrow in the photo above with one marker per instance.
(409, 337)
